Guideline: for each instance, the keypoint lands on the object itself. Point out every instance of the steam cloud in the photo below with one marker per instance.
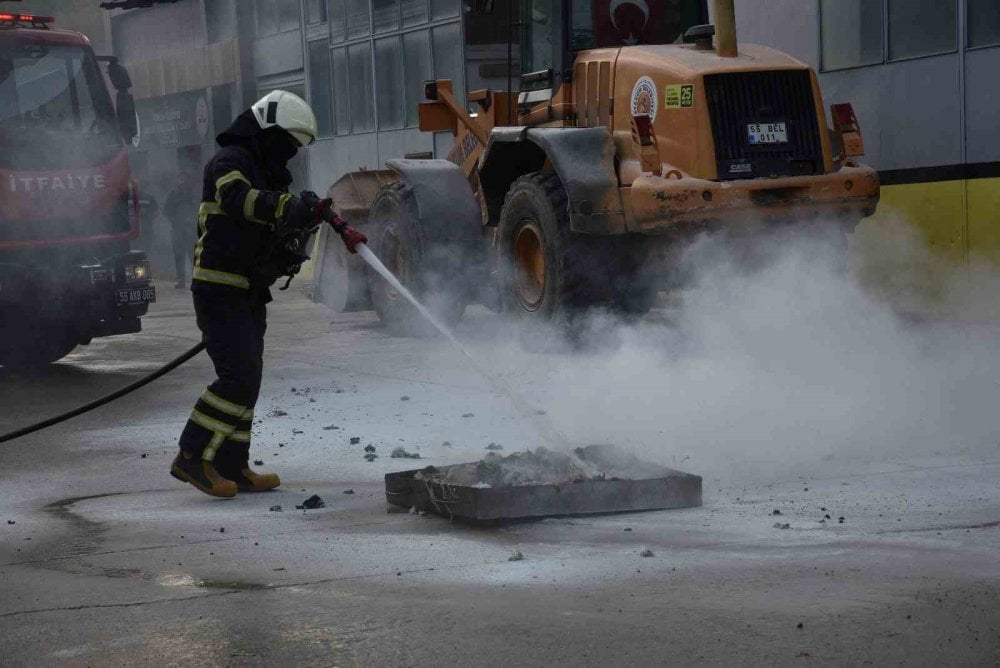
(787, 362)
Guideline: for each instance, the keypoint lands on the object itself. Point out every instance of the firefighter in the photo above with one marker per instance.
(245, 207)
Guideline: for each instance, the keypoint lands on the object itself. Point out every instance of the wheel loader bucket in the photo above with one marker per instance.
(339, 279)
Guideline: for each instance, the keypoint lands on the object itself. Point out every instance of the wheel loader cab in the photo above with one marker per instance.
(558, 35)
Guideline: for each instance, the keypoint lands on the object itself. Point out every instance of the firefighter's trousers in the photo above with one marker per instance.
(232, 327)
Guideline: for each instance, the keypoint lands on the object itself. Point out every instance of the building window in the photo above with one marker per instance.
(389, 83)
(444, 9)
(379, 54)
(359, 64)
(316, 11)
(341, 92)
(274, 16)
(385, 15)
(449, 61)
(338, 24)
(319, 86)
(922, 28)
(358, 19)
(984, 23)
(850, 33)
(414, 12)
(416, 70)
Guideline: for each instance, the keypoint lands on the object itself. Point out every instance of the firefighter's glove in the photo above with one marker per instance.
(298, 214)
(352, 238)
(323, 209)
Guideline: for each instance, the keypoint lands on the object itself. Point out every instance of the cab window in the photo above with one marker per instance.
(540, 32)
(612, 23)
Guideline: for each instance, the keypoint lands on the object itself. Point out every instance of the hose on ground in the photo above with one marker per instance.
(106, 399)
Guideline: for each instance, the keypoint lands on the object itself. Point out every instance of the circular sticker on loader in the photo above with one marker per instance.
(644, 98)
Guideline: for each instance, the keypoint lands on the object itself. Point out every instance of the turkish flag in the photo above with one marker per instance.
(627, 22)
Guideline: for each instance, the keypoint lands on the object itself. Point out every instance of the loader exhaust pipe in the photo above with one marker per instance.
(725, 29)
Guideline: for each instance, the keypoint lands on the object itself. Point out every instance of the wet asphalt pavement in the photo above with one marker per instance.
(107, 560)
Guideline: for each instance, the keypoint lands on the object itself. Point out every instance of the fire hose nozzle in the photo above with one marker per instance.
(324, 211)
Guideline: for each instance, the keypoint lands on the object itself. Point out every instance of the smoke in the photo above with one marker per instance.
(788, 360)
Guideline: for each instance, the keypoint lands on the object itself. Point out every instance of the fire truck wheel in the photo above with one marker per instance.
(548, 272)
(431, 272)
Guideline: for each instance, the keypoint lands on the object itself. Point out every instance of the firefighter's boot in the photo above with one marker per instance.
(247, 480)
(202, 474)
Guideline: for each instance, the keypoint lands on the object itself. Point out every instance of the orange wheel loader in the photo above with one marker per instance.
(631, 132)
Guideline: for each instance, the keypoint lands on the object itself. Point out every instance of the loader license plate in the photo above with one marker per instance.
(132, 296)
(767, 133)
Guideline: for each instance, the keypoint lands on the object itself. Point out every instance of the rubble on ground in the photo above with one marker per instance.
(402, 453)
(312, 503)
(542, 467)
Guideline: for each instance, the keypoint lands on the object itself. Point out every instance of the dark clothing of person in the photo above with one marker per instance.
(180, 209)
(244, 194)
(245, 191)
(232, 328)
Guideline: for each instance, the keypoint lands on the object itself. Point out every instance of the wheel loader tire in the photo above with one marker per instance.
(38, 350)
(635, 301)
(548, 272)
(428, 269)
(635, 286)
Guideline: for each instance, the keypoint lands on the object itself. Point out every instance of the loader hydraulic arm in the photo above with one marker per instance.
(443, 112)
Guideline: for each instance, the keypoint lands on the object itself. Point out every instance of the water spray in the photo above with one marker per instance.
(544, 429)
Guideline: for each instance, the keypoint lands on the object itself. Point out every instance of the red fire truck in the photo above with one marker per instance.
(68, 206)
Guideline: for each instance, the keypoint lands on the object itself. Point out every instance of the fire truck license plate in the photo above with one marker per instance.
(767, 133)
(130, 296)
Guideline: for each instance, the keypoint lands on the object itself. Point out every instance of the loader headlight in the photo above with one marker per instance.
(137, 272)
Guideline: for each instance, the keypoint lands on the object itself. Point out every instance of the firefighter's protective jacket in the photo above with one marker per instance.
(243, 195)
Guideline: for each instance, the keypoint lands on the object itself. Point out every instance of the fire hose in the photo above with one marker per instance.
(322, 211)
(106, 399)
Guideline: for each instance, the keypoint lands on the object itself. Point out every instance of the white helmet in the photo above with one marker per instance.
(289, 112)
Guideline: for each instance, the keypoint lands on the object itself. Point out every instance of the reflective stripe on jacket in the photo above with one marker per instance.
(239, 204)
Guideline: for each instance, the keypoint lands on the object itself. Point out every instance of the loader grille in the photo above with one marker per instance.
(736, 100)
